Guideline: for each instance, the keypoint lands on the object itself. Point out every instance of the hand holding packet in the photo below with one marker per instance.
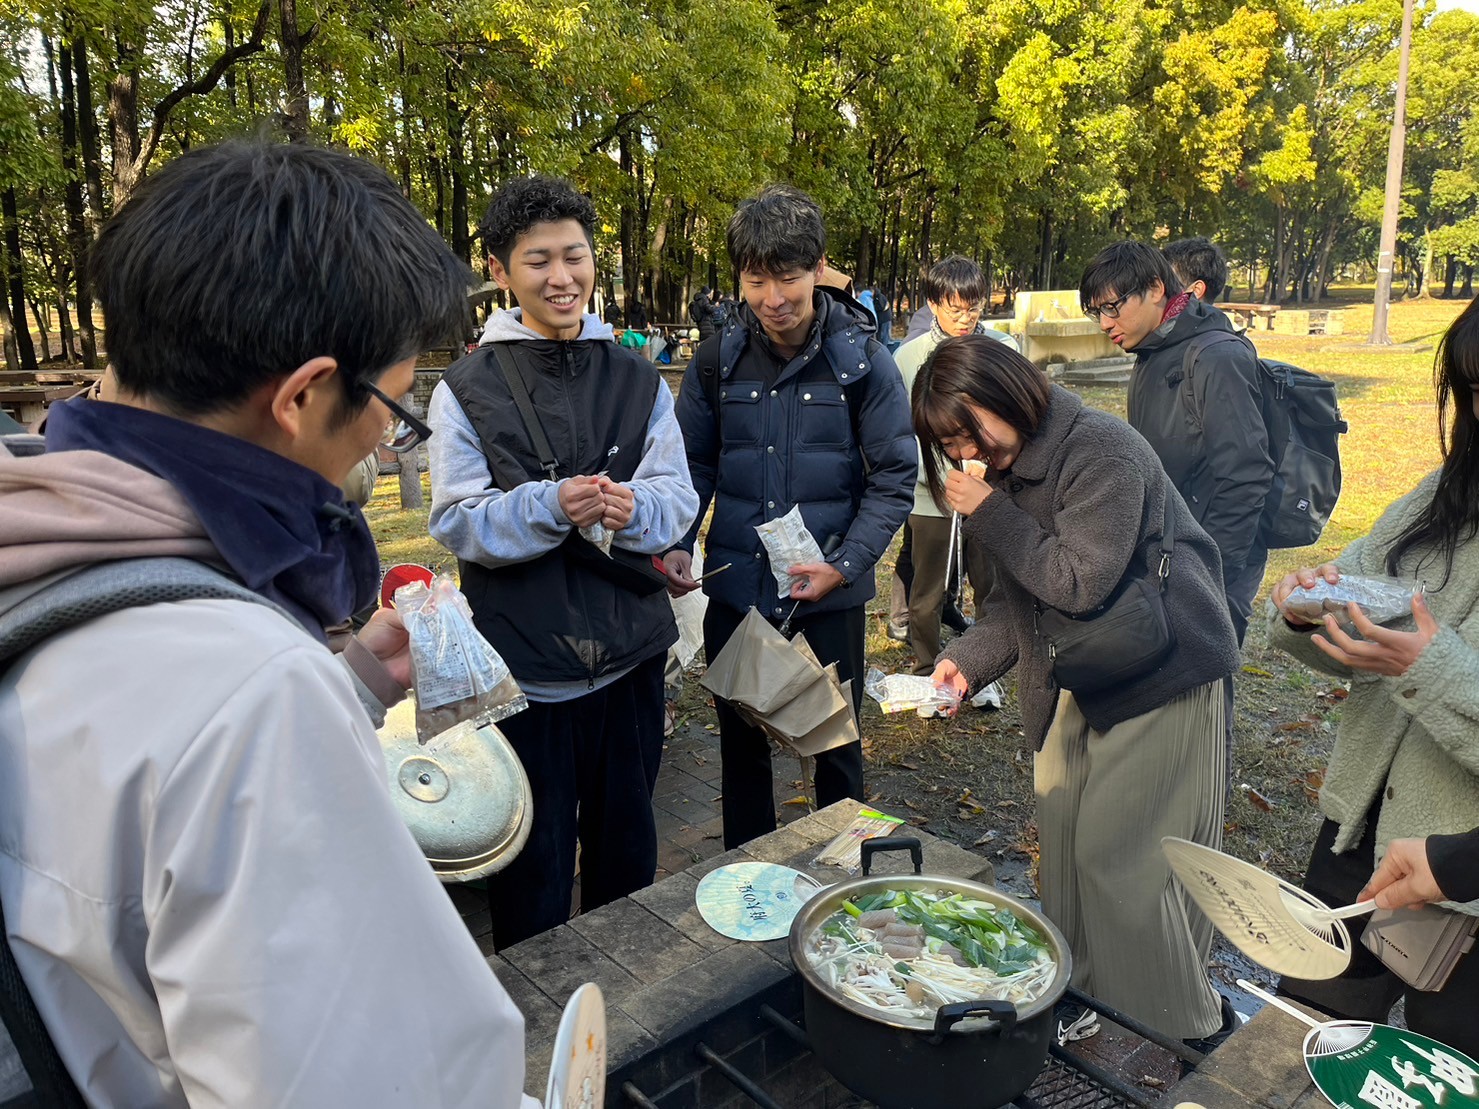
(456, 673)
(1381, 599)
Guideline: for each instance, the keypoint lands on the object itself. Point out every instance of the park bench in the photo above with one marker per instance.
(1253, 317)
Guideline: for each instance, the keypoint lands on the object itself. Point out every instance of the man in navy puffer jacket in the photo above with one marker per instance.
(811, 411)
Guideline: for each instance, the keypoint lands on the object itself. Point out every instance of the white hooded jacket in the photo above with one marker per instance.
(206, 886)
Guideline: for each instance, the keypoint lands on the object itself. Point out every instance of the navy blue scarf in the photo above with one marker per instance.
(284, 530)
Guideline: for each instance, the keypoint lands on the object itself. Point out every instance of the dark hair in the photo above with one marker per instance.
(235, 264)
(1453, 515)
(778, 229)
(1198, 259)
(973, 370)
(1128, 267)
(954, 277)
(527, 201)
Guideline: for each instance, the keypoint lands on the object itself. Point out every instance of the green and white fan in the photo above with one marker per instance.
(1277, 925)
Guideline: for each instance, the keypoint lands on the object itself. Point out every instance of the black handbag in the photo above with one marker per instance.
(637, 573)
(1126, 637)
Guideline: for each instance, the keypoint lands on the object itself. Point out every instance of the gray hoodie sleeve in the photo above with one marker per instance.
(665, 501)
(470, 515)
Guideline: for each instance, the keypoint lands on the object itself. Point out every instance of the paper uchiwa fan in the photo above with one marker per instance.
(1277, 925)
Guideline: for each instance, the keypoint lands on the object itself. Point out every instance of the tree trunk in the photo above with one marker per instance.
(403, 155)
(631, 261)
(79, 242)
(456, 153)
(15, 265)
(230, 41)
(123, 113)
(64, 319)
(410, 476)
(43, 327)
(1452, 274)
(12, 355)
(87, 132)
(1045, 251)
(295, 113)
(1468, 290)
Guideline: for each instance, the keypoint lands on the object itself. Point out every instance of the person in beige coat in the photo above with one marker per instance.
(1406, 757)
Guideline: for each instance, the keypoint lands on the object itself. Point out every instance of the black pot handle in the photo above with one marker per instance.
(948, 1016)
(871, 847)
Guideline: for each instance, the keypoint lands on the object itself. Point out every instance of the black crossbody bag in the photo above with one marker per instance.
(1125, 638)
(637, 573)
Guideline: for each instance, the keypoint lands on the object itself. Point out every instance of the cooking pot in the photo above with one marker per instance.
(978, 1053)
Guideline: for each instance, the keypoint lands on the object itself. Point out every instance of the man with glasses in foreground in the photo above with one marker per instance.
(955, 289)
(1209, 433)
(206, 885)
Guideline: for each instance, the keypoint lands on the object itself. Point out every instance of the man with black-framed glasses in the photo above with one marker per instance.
(1196, 396)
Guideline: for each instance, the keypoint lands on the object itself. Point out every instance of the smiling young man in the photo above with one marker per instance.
(587, 649)
(810, 412)
(1215, 448)
(207, 887)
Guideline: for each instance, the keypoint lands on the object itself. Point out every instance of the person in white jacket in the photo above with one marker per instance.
(206, 886)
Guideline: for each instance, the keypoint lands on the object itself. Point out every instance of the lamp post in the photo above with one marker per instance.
(1388, 250)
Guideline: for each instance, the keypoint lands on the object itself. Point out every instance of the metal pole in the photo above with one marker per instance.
(1384, 260)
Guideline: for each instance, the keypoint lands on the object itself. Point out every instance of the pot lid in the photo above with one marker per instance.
(463, 794)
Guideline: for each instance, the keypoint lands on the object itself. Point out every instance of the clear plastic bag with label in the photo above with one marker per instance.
(457, 675)
(909, 692)
(846, 848)
(1381, 599)
(787, 544)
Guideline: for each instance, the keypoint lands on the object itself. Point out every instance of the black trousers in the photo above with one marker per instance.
(749, 791)
(1368, 990)
(592, 765)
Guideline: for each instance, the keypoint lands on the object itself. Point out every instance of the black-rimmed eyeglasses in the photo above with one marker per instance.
(404, 431)
(1110, 308)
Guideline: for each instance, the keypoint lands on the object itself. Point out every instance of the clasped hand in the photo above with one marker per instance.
(1379, 650)
(964, 493)
(596, 500)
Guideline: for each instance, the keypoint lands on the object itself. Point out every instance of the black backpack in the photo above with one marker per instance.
(1302, 416)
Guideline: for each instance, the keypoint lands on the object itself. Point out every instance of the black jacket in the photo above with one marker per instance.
(829, 431)
(1081, 507)
(1211, 438)
(553, 618)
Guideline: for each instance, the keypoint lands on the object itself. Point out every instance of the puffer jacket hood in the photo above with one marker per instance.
(507, 325)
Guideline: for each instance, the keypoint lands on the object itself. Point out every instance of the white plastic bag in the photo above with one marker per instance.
(787, 544)
(1381, 599)
(907, 692)
(688, 611)
(456, 673)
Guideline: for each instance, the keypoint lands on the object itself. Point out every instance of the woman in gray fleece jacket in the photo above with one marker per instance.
(1406, 757)
(1072, 504)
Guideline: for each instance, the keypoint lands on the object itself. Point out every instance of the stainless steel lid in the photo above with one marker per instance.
(463, 794)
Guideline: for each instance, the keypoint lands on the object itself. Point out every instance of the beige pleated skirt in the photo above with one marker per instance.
(1104, 801)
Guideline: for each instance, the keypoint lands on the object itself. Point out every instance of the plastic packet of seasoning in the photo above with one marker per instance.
(909, 692)
(598, 536)
(846, 850)
(1381, 599)
(456, 673)
(787, 544)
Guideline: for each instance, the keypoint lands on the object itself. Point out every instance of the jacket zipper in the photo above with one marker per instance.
(567, 381)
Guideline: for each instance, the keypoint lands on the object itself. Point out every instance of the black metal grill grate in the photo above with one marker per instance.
(1061, 1086)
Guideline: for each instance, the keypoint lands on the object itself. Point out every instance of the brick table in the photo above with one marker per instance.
(1261, 1064)
(670, 981)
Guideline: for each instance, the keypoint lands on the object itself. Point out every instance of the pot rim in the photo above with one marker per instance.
(830, 899)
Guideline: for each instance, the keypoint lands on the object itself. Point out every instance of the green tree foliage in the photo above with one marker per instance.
(1023, 132)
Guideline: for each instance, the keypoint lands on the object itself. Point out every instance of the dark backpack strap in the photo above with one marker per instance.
(1168, 536)
(51, 1083)
(520, 390)
(1194, 350)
